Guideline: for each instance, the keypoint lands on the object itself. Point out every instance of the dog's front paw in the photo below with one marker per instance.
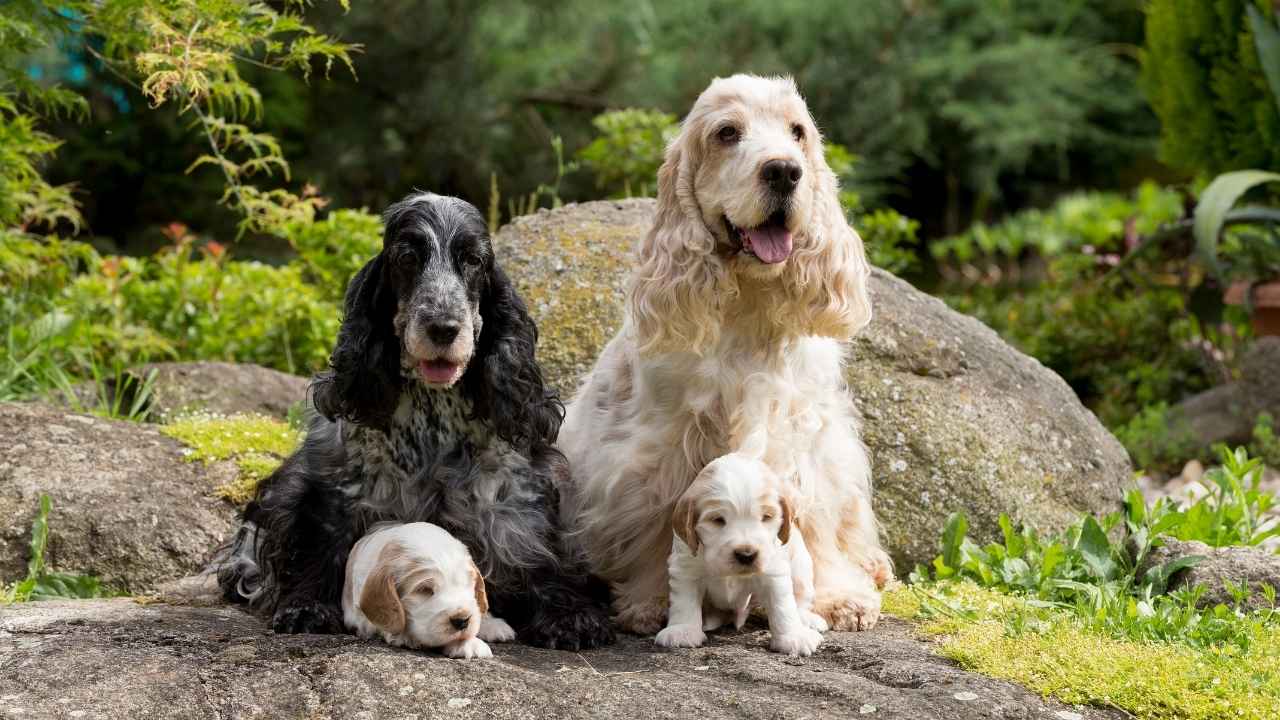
(584, 628)
(467, 649)
(493, 629)
(313, 617)
(853, 610)
(814, 621)
(643, 618)
(677, 636)
(800, 642)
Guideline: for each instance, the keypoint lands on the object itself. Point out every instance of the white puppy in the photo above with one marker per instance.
(414, 585)
(738, 515)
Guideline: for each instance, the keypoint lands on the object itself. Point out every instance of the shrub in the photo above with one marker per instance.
(1202, 75)
(1048, 281)
(628, 151)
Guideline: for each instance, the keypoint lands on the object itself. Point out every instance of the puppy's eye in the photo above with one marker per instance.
(424, 590)
(797, 132)
(718, 521)
(729, 134)
(767, 518)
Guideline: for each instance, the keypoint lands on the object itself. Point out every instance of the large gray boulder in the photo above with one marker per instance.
(956, 419)
(178, 388)
(127, 506)
(117, 659)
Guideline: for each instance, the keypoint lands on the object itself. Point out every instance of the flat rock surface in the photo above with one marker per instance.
(119, 659)
(956, 419)
(127, 505)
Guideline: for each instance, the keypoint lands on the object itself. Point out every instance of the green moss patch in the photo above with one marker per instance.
(256, 443)
(1047, 651)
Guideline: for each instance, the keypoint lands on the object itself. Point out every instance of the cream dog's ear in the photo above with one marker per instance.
(380, 601)
(788, 517)
(482, 600)
(684, 520)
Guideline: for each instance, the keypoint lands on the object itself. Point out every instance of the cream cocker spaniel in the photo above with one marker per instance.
(734, 551)
(747, 287)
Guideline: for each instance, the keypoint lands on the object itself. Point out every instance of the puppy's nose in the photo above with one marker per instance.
(745, 555)
(460, 622)
(443, 332)
(781, 176)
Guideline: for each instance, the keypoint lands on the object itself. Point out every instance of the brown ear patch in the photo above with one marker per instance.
(482, 600)
(684, 520)
(788, 517)
(380, 602)
(379, 598)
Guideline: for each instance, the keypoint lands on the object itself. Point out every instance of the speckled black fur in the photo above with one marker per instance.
(476, 458)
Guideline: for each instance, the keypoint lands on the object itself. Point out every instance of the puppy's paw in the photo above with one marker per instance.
(814, 621)
(800, 642)
(581, 629)
(311, 617)
(467, 649)
(677, 636)
(879, 567)
(494, 629)
(643, 618)
(850, 610)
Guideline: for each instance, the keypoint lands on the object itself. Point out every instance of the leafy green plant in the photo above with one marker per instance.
(1096, 570)
(1155, 441)
(1266, 444)
(44, 584)
(626, 154)
(1249, 251)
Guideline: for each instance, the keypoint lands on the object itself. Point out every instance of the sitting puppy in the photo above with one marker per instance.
(415, 585)
(738, 515)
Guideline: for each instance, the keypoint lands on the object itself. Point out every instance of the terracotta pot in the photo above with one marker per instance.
(1266, 304)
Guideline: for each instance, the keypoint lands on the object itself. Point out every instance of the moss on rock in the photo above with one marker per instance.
(1060, 659)
(256, 443)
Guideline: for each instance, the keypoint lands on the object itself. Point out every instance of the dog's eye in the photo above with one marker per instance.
(718, 521)
(424, 590)
(767, 518)
(797, 132)
(728, 134)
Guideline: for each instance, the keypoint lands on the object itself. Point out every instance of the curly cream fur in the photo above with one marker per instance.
(721, 353)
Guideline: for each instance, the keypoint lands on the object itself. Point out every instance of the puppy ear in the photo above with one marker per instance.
(788, 517)
(363, 382)
(674, 297)
(482, 600)
(380, 602)
(684, 519)
(504, 381)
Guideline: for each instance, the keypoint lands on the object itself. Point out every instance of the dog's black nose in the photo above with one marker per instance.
(460, 622)
(745, 556)
(781, 176)
(443, 333)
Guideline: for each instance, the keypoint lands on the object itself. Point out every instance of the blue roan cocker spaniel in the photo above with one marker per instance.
(433, 410)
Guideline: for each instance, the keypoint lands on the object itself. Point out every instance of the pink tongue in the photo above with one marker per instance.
(770, 244)
(437, 371)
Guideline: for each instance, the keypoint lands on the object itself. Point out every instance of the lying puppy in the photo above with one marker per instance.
(415, 586)
(737, 513)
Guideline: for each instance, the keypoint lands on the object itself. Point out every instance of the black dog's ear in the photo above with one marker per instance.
(504, 381)
(363, 382)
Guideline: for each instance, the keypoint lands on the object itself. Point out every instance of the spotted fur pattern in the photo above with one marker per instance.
(474, 455)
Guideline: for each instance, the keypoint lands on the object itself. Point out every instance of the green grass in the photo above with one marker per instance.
(44, 584)
(256, 444)
(1052, 652)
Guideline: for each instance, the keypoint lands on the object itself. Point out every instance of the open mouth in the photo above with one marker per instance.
(438, 371)
(769, 242)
